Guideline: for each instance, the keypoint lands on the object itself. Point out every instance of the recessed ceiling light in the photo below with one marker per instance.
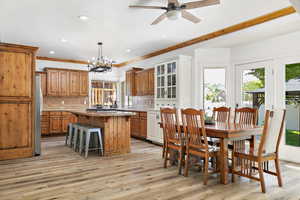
(52, 52)
(63, 40)
(83, 17)
(128, 50)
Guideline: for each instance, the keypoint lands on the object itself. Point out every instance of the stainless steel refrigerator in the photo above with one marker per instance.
(38, 112)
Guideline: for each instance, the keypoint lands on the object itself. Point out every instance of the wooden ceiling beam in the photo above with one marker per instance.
(62, 60)
(231, 29)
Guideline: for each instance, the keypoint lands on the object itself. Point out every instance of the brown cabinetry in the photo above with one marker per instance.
(43, 76)
(56, 122)
(17, 66)
(139, 125)
(53, 83)
(140, 82)
(63, 82)
(74, 84)
(84, 84)
(131, 81)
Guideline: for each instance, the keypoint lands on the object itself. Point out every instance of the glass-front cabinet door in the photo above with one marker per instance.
(166, 80)
(160, 80)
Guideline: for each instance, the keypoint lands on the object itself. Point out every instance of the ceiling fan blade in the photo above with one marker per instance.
(189, 16)
(296, 5)
(174, 1)
(148, 7)
(199, 4)
(160, 18)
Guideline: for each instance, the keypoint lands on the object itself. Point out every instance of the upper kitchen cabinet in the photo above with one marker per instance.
(84, 84)
(52, 82)
(140, 82)
(64, 82)
(131, 81)
(16, 73)
(173, 82)
(17, 69)
(43, 76)
(74, 83)
(151, 78)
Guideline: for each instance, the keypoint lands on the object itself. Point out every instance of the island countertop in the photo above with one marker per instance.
(103, 113)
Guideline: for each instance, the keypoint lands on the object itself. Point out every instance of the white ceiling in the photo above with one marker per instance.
(44, 23)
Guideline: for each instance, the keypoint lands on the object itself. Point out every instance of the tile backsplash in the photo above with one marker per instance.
(65, 101)
(141, 101)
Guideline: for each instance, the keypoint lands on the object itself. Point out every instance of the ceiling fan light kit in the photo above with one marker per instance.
(173, 14)
(174, 8)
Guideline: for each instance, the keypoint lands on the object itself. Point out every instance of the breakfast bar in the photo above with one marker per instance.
(115, 127)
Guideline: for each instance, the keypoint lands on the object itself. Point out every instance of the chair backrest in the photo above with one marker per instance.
(245, 116)
(221, 114)
(194, 128)
(169, 120)
(272, 132)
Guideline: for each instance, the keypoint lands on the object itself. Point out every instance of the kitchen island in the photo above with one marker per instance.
(115, 126)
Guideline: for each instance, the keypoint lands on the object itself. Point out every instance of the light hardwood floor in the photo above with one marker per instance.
(62, 174)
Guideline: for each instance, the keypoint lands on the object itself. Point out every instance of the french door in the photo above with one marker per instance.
(254, 87)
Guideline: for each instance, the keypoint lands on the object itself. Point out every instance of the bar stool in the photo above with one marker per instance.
(76, 128)
(87, 131)
(69, 135)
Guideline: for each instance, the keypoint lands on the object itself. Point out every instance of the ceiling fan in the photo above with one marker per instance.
(174, 8)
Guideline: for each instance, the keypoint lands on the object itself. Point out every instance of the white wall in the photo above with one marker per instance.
(278, 52)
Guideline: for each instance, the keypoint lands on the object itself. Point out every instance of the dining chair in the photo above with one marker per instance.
(221, 114)
(268, 150)
(172, 139)
(196, 139)
(244, 116)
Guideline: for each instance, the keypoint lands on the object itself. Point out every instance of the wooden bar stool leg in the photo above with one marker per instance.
(87, 143)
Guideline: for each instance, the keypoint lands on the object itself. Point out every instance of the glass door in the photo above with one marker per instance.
(251, 88)
(292, 102)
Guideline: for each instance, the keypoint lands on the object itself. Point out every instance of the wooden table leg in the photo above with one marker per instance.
(224, 160)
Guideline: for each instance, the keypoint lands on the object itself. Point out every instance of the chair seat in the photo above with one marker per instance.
(253, 155)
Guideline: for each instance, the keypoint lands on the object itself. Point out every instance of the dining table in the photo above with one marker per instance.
(226, 132)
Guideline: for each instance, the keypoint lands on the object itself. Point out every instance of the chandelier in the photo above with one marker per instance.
(100, 64)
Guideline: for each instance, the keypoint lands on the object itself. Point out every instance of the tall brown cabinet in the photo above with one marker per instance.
(17, 68)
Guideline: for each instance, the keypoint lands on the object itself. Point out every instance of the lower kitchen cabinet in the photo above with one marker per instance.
(53, 123)
(154, 132)
(139, 125)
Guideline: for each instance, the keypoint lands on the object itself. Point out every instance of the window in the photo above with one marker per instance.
(214, 89)
(292, 104)
(103, 93)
